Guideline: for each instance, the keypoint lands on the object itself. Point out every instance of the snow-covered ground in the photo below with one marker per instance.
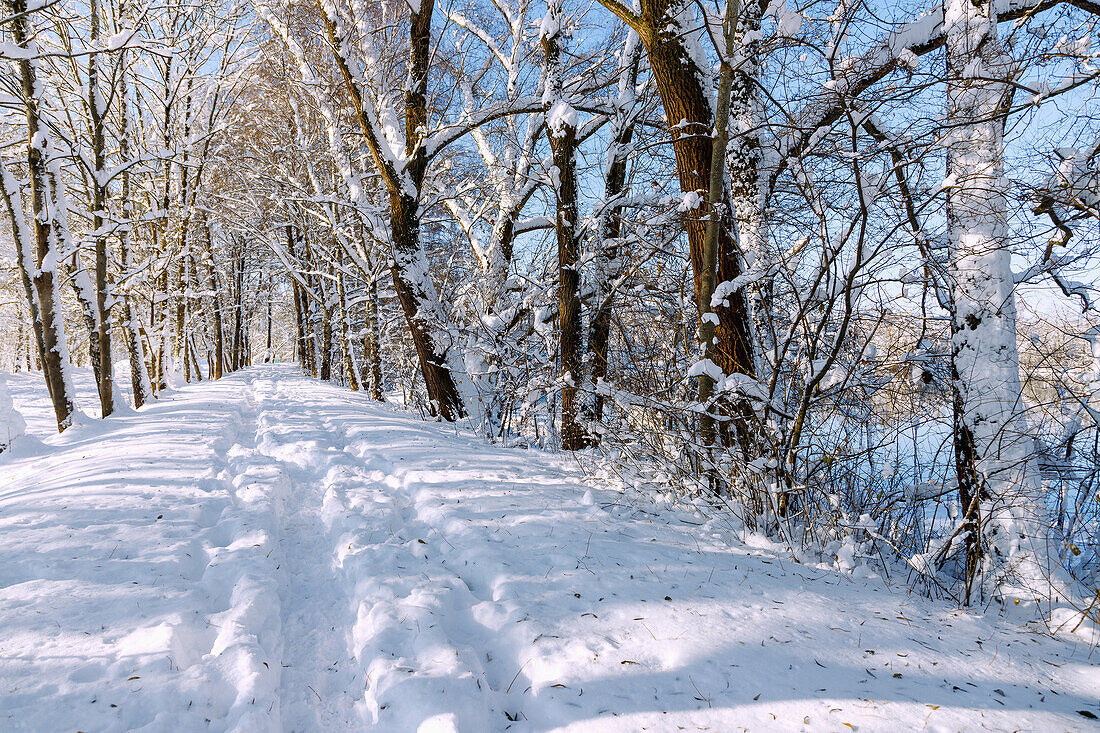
(270, 553)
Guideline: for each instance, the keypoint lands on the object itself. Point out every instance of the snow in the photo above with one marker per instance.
(122, 39)
(561, 117)
(269, 552)
(13, 52)
(788, 21)
(708, 368)
(550, 25)
(12, 425)
(690, 201)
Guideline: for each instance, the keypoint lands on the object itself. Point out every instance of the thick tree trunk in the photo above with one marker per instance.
(716, 214)
(994, 456)
(409, 263)
(416, 294)
(745, 161)
(54, 351)
(690, 117)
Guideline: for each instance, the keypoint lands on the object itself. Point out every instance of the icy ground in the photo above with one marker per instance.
(272, 553)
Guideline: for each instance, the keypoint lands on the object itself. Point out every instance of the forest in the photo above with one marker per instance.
(823, 274)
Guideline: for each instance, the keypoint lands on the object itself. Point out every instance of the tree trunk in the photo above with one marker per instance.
(716, 214)
(54, 351)
(267, 346)
(158, 319)
(744, 161)
(994, 456)
(139, 374)
(238, 311)
(326, 344)
(304, 357)
(663, 28)
(179, 342)
(561, 126)
(409, 263)
(372, 352)
(24, 249)
(216, 305)
(344, 336)
(105, 382)
(607, 264)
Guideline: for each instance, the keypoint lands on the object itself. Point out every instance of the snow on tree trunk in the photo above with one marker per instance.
(561, 128)
(409, 267)
(139, 372)
(672, 36)
(215, 304)
(97, 108)
(346, 355)
(994, 455)
(607, 262)
(55, 353)
(24, 251)
(372, 350)
(745, 161)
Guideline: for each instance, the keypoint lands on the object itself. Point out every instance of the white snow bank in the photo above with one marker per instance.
(12, 425)
(270, 552)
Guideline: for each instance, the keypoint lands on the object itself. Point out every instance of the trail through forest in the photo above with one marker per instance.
(269, 552)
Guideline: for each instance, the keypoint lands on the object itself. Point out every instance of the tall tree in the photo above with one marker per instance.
(671, 33)
(55, 355)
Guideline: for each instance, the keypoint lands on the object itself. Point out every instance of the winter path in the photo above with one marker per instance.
(271, 553)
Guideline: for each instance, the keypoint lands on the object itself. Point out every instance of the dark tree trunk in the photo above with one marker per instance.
(607, 264)
(688, 111)
(343, 335)
(304, 357)
(267, 347)
(409, 265)
(562, 134)
(216, 304)
(105, 367)
(238, 312)
(326, 344)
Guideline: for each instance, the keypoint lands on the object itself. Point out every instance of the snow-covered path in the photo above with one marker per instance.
(270, 553)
